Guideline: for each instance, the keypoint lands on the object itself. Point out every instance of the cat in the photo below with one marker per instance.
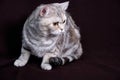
(51, 34)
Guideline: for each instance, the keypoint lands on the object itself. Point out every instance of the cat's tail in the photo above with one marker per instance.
(61, 61)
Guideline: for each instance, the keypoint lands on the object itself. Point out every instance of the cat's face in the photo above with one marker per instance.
(53, 17)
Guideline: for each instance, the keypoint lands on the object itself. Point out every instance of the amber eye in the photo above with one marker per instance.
(55, 23)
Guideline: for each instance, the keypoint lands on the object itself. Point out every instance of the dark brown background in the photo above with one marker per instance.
(99, 22)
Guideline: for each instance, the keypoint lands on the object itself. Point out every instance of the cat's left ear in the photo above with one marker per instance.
(64, 5)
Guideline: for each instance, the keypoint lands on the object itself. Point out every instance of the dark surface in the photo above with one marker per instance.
(99, 22)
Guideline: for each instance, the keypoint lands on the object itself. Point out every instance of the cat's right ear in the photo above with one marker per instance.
(44, 10)
(64, 5)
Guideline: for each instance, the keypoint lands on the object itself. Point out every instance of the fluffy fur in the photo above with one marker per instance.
(50, 33)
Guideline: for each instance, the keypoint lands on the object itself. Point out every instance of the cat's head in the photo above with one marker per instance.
(53, 17)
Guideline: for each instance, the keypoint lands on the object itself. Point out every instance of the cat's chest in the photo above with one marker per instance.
(65, 41)
(46, 42)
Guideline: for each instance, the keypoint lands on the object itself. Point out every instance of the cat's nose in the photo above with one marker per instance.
(61, 29)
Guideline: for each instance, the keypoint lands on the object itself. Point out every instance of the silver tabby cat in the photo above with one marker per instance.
(51, 34)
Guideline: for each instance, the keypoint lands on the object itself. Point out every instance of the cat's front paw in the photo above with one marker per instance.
(46, 66)
(19, 63)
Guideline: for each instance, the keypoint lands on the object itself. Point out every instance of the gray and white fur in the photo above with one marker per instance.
(51, 34)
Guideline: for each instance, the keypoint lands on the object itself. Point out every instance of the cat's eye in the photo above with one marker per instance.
(55, 23)
(64, 21)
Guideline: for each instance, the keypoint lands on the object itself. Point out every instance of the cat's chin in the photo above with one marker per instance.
(56, 33)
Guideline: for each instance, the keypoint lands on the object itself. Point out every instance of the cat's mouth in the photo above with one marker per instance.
(57, 32)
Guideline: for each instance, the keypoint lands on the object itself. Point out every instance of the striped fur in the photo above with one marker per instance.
(50, 33)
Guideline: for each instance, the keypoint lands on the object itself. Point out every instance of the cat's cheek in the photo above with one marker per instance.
(51, 27)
